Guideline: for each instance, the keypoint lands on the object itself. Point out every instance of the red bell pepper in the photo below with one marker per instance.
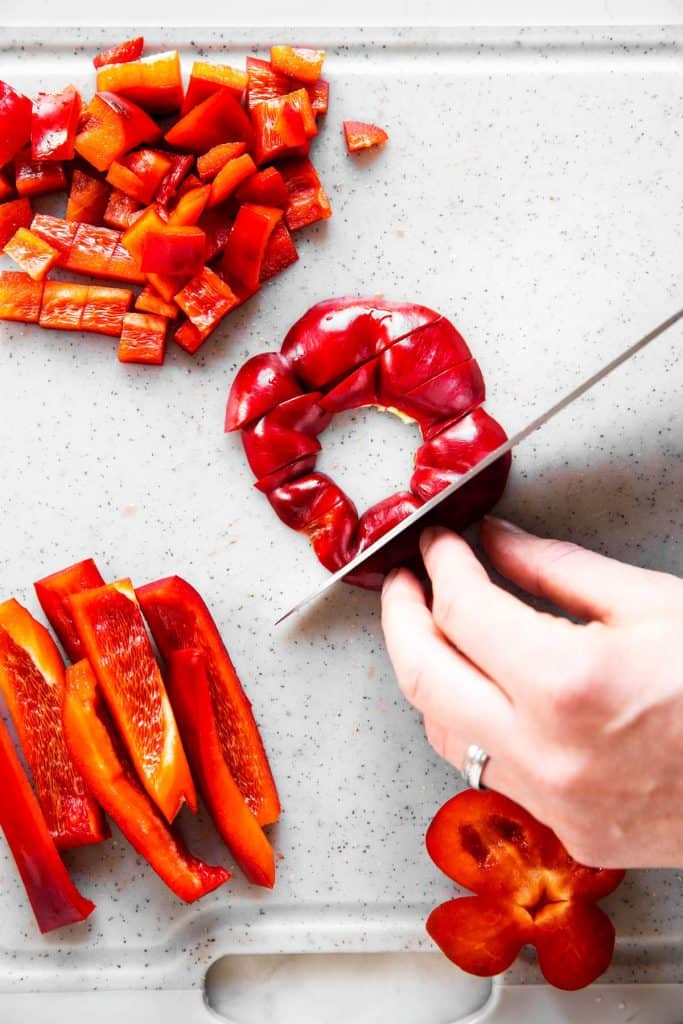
(529, 890)
(219, 118)
(143, 339)
(206, 79)
(80, 307)
(6, 187)
(16, 214)
(285, 434)
(58, 232)
(243, 255)
(315, 505)
(360, 388)
(359, 135)
(179, 618)
(31, 253)
(174, 250)
(55, 900)
(167, 287)
(32, 683)
(139, 174)
(454, 450)
(133, 239)
(266, 188)
(88, 198)
(282, 125)
(37, 177)
(111, 779)
(131, 49)
(308, 200)
(120, 210)
(181, 165)
(190, 182)
(190, 693)
(54, 124)
(263, 382)
(110, 625)
(280, 252)
(20, 297)
(53, 593)
(189, 338)
(148, 301)
(232, 174)
(284, 475)
(15, 122)
(154, 83)
(373, 524)
(110, 126)
(205, 300)
(190, 207)
(265, 83)
(297, 62)
(87, 249)
(209, 164)
(216, 224)
(448, 396)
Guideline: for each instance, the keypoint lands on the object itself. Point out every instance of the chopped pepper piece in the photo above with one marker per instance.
(59, 233)
(308, 200)
(280, 252)
(266, 188)
(54, 124)
(174, 250)
(206, 79)
(133, 239)
(190, 207)
(297, 62)
(219, 118)
(20, 297)
(143, 339)
(110, 126)
(229, 177)
(148, 301)
(80, 307)
(32, 683)
(265, 83)
(53, 593)
(15, 122)
(263, 382)
(216, 224)
(111, 779)
(283, 125)
(120, 210)
(243, 255)
(316, 506)
(14, 215)
(88, 198)
(139, 174)
(359, 135)
(31, 253)
(154, 83)
(181, 165)
(131, 49)
(37, 177)
(285, 435)
(209, 164)
(206, 299)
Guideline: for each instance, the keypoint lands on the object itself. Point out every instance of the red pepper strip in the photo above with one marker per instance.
(143, 339)
(229, 177)
(190, 207)
(280, 252)
(148, 301)
(31, 253)
(266, 188)
(179, 618)
(206, 300)
(32, 683)
(55, 900)
(209, 164)
(181, 165)
(174, 250)
(99, 252)
(131, 49)
(453, 451)
(265, 83)
(54, 124)
(206, 79)
(359, 135)
(15, 122)
(282, 125)
(14, 215)
(297, 62)
(190, 693)
(216, 224)
(284, 475)
(529, 890)
(154, 83)
(112, 780)
(316, 506)
(285, 435)
(308, 200)
(88, 198)
(110, 126)
(59, 233)
(133, 239)
(80, 307)
(53, 593)
(120, 211)
(37, 177)
(6, 187)
(246, 246)
(20, 297)
(150, 168)
(112, 631)
(219, 118)
(263, 382)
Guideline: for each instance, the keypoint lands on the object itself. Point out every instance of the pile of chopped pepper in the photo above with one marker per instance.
(114, 734)
(200, 213)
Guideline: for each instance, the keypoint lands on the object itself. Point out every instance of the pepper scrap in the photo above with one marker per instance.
(528, 890)
(53, 593)
(114, 783)
(55, 900)
(131, 49)
(360, 135)
(32, 683)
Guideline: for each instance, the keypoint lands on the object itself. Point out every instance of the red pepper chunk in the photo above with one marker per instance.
(359, 135)
(111, 779)
(110, 625)
(53, 593)
(263, 382)
(31, 253)
(139, 174)
(15, 122)
(178, 619)
(120, 210)
(181, 165)
(285, 435)
(190, 206)
(154, 83)
(315, 505)
(283, 125)
(246, 246)
(528, 890)
(219, 118)
(209, 164)
(266, 188)
(205, 300)
(232, 174)
(110, 126)
(20, 297)
(190, 693)
(37, 177)
(280, 252)
(131, 49)
(297, 62)
(133, 239)
(88, 198)
(14, 215)
(308, 200)
(32, 683)
(143, 339)
(148, 301)
(174, 250)
(206, 79)
(54, 124)
(80, 307)
(265, 83)
(55, 900)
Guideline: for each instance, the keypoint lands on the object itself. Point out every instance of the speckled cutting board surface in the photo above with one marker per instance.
(531, 192)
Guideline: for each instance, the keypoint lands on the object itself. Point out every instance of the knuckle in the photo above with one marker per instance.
(576, 688)
(444, 606)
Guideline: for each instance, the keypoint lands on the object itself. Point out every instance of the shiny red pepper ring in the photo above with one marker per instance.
(345, 354)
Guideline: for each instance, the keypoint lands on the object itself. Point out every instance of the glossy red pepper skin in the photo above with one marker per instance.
(15, 122)
(54, 898)
(308, 201)
(130, 49)
(53, 593)
(265, 188)
(361, 135)
(280, 253)
(174, 250)
(219, 118)
(54, 124)
(110, 126)
(181, 165)
(114, 783)
(153, 83)
(16, 214)
(264, 381)
(373, 524)
(88, 198)
(285, 435)
(179, 618)
(316, 506)
(529, 890)
(246, 246)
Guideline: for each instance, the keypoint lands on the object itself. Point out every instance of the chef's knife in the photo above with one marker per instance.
(502, 449)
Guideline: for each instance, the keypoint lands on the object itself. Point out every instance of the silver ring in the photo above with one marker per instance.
(473, 766)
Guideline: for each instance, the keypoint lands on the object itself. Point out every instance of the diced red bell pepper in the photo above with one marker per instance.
(98, 251)
(216, 224)
(189, 338)
(32, 683)
(243, 255)
(62, 306)
(316, 506)
(131, 49)
(308, 200)
(140, 174)
(263, 382)
(178, 619)
(35, 256)
(206, 299)
(191, 182)
(265, 83)
(209, 164)
(20, 297)
(266, 188)
(54, 124)
(190, 207)
(420, 356)
(88, 198)
(282, 125)
(229, 177)
(133, 239)
(37, 177)
(167, 287)
(111, 779)
(124, 180)
(55, 900)
(181, 165)
(80, 307)
(148, 301)
(155, 83)
(122, 266)
(16, 214)
(174, 250)
(219, 118)
(110, 126)
(53, 593)
(206, 79)
(6, 187)
(190, 693)
(297, 62)
(452, 452)
(359, 135)
(143, 339)
(120, 210)
(58, 232)
(280, 252)
(15, 122)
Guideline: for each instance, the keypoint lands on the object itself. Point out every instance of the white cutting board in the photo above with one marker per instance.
(530, 191)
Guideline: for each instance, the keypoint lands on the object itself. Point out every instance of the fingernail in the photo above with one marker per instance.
(427, 539)
(388, 580)
(502, 524)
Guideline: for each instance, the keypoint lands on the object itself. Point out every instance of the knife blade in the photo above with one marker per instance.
(507, 446)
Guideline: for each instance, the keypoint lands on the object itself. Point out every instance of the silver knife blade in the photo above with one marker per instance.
(507, 446)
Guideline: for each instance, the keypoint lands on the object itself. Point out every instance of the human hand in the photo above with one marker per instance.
(583, 723)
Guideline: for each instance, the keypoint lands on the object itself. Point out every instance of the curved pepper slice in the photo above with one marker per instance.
(53, 593)
(246, 246)
(189, 690)
(112, 631)
(15, 122)
(454, 450)
(360, 135)
(32, 683)
(219, 118)
(448, 396)
(206, 79)
(373, 524)
(130, 49)
(114, 783)
(529, 890)
(154, 83)
(283, 475)
(316, 506)
(55, 900)
(88, 198)
(181, 165)
(179, 618)
(231, 174)
(264, 381)
(420, 356)
(54, 124)
(110, 126)
(285, 436)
